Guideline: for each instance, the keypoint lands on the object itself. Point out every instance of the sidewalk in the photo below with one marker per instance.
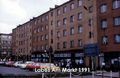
(108, 74)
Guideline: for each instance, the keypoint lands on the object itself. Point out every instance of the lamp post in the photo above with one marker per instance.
(50, 53)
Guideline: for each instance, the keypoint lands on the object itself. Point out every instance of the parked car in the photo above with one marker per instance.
(9, 63)
(18, 63)
(32, 66)
(2, 63)
(24, 65)
(50, 66)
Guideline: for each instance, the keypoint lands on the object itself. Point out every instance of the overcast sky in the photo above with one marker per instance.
(15, 12)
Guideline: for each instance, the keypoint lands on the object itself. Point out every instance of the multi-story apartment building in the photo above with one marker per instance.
(108, 21)
(40, 38)
(75, 30)
(22, 41)
(71, 27)
(5, 46)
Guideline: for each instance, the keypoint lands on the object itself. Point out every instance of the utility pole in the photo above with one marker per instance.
(50, 53)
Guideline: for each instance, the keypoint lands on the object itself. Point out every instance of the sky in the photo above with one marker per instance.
(16, 12)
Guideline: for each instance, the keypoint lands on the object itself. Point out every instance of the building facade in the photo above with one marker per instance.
(108, 21)
(22, 41)
(5, 46)
(71, 27)
(40, 38)
(79, 31)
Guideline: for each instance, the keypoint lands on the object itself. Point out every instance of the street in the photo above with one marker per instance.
(8, 72)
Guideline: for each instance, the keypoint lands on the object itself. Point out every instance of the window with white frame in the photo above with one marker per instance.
(80, 16)
(58, 23)
(90, 22)
(64, 21)
(58, 34)
(42, 28)
(117, 38)
(58, 12)
(71, 43)
(117, 21)
(80, 2)
(64, 9)
(80, 29)
(72, 31)
(116, 4)
(42, 37)
(105, 40)
(72, 6)
(46, 37)
(64, 32)
(42, 47)
(104, 23)
(64, 44)
(72, 18)
(79, 43)
(103, 8)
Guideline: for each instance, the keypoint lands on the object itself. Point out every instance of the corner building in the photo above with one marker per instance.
(22, 41)
(108, 21)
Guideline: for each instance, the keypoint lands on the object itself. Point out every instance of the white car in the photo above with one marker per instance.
(24, 65)
(18, 63)
(50, 66)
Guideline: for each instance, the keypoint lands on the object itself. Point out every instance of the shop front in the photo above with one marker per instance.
(73, 58)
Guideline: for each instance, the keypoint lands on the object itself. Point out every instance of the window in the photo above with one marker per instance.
(51, 41)
(58, 12)
(72, 44)
(51, 22)
(90, 34)
(64, 44)
(79, 2)
(58, 34)
(42, 37)
(64, 21)
(58, 45)
(105, 40)
(72, 18)
(72, 6)
(104, 23)
(79, 16)
(46, 37)
(64, 32)
(42, 28)
(116, 4)
(117, 38)
(58, 23)
(79, 43)
(117, 21)
(51, 13)
(46, 47)
(90, 9)
(80, 29)
(71, 31)
(51, 32)
(103, 8)
(90, 22)
(43, 19)
(42, 47)
(64, 9)
(46, 27)
(46, 17)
